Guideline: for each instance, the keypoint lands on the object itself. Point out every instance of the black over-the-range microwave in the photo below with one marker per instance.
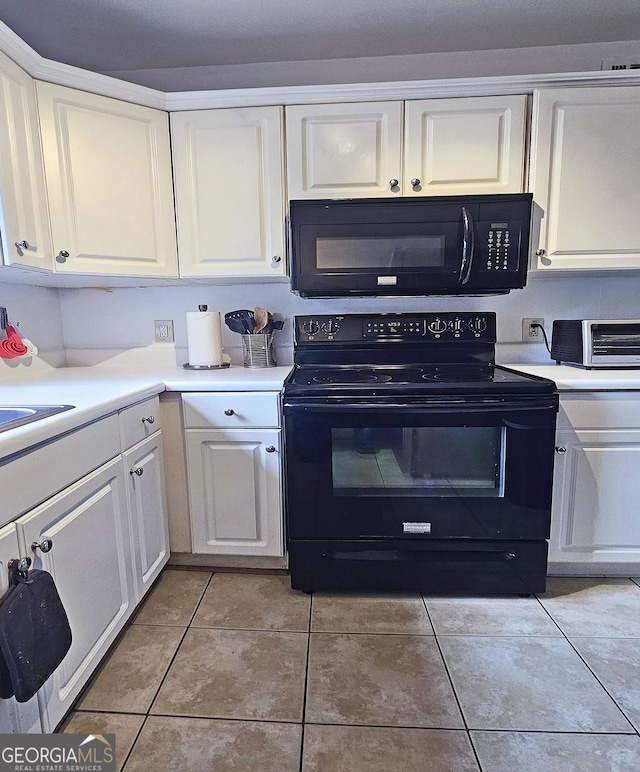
(449, 245)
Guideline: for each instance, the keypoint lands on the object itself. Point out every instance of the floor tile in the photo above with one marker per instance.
(609, 608)
(380, 680)
(369, 614)
(125, 726)
(236, 674)
(134, 671)
(616, 663)
(200, 745)
(529, 684)
(542, 752)
(489, 616)
(380, 749)
(253, 602)
(173, 599)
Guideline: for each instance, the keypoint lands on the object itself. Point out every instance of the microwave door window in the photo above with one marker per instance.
(352, 253)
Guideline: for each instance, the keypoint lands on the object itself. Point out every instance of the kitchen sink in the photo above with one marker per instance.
(11, 417)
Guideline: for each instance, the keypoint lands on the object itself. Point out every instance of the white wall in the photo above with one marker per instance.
(98, 325)
(35, 311)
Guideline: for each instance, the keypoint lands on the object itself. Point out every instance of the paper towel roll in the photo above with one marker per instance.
(204, 338)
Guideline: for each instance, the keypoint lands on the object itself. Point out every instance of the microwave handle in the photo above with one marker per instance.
(467, 246)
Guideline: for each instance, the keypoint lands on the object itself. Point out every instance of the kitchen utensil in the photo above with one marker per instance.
(261, 316)
(240, 321)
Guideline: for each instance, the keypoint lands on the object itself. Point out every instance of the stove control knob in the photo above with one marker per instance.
(479, 324)
(310, 327)
(456, 325)
(330, 327)
(437, 326)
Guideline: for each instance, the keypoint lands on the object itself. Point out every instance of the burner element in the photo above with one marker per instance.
(350, 376)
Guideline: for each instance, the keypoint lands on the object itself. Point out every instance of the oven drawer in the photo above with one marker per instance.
(434, 566)
(232, 410)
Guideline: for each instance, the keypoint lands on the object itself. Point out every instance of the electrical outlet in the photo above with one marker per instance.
(164, 330)
(530, 332)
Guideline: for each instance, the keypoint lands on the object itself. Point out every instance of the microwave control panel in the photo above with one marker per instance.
(498, 247)
(445, 326)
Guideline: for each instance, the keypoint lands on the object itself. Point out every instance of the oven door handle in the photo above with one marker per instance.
(467, 246)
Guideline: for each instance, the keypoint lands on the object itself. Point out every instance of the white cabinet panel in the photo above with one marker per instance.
(595, 502)
(585, 168)
(15, 717)
(232, 410)
(147, 510)
(344, 150)
(108, 171)
(228, 167)
(23, 203)
(235, 491)
(465, 146)
(91, 565)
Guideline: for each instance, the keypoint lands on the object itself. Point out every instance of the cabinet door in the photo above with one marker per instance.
(464, 146)
(585, 168)
(595, 502)
(344, 150)
(108, 172)
(228, 170)
(91, 565)
(147, 510)
(24, 222)
(15, 717)
(235, 491)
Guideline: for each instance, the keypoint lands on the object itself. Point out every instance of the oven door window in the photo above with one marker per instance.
(435, 461)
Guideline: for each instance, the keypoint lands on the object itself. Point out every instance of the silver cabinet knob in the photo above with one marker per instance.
(229, 411)
(62, 256)
(21, 246)
(415, 182)
(560, 449)
(44, 546)
(541, 252)
(276, 259)
(393, 183)
(149, 419)
(137, 470)
(270, 448)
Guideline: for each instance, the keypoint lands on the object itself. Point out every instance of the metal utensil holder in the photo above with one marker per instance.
(258, 350)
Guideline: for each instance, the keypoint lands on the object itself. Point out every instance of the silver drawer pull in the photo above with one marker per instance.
(229, 411)
(62, 256)
(560, 449)
(270, 448)
(149, 419)
(44, 546)
(137, 470)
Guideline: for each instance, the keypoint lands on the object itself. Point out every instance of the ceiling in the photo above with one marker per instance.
(124, 35)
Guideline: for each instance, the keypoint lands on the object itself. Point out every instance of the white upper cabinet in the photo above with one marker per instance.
(585, 168)
(229, 186)
(423, 147)
(108, 172)
(464, 146)
(344, 150)
(24, 224)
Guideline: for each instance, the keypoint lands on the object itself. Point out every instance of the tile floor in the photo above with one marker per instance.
(238, 672)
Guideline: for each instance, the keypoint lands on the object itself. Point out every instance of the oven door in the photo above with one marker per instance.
(477, 468)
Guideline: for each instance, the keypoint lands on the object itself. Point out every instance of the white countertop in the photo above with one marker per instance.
(95, 392)
(568, 378)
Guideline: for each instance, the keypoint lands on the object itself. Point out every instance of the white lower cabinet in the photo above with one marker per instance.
(90, 562)
(233, 443)
(147, 510)
(596, 500)
(15, 717)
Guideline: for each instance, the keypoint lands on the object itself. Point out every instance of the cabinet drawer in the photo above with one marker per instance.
(36, 475)
(232, 409)
(139, 421)
(600, 410)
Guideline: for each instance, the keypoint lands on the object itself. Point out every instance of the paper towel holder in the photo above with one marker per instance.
(187, 366)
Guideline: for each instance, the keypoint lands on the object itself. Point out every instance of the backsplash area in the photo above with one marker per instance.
(116, 326)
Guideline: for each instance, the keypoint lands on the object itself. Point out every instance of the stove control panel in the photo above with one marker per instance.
(445, 326)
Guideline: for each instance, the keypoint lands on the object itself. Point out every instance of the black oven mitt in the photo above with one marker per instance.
(34, 633)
